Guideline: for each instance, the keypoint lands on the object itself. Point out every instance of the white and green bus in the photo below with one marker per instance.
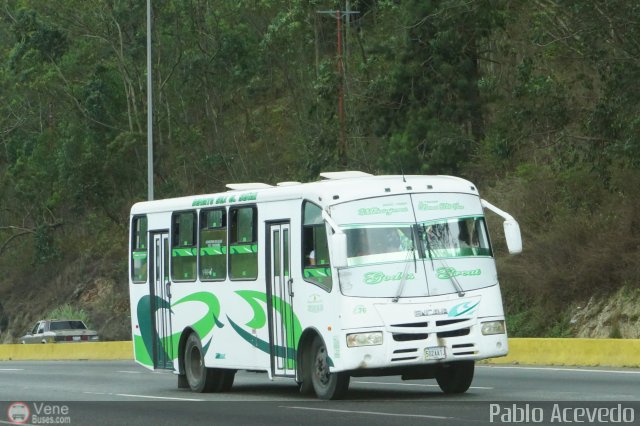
(353, 275)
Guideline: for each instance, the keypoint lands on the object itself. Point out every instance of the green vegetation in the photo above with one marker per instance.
(68, 311)
(536, 102)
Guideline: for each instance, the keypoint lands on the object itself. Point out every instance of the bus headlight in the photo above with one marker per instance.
(364, 339)
(493, 327)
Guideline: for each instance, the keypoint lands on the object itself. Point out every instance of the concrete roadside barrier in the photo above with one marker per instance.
(572, 351)
(67, 351)
(531, 351)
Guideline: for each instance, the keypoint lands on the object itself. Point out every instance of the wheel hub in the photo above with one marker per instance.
(322, 367)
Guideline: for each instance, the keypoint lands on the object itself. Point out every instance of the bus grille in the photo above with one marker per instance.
(405, 354)
(464, 349)
(408, 337)
(454, 333)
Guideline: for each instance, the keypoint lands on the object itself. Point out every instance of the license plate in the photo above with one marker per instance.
(435, 352)
(76, 338)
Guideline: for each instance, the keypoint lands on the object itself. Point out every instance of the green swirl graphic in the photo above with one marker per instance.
(143, 344)
(259, 321)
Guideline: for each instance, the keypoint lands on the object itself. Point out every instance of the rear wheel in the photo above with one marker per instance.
(200, 378)
(326, 384)
(228, 377)
(455, 377)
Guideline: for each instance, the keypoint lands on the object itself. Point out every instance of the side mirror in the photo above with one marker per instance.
(513, 236)
(339, 250)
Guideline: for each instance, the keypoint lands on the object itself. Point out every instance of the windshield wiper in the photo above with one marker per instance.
(454, 280)
(411, 251)
(424, 237)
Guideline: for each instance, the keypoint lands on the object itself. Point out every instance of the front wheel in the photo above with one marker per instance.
(326, 384)
(455, 377)
(200, 378)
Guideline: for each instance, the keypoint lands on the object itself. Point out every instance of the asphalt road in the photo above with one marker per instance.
(108, 393)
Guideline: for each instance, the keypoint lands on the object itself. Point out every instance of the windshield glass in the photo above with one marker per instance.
(414, 245)
(457, 237)
(441, 239)
(378, 243)
(67, 325)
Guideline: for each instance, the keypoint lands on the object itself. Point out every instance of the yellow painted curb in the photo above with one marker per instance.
(534, 351)
(67, 351)
(580, 352)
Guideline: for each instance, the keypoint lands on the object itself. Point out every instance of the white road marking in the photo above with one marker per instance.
(11, 369)
(142, 396)
(414, 384)
(585, 370)
(373, 413)
(130, 372)
(157, 397)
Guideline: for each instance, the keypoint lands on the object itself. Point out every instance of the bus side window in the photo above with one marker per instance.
(213, 244)
(183, 246)
(316, 268)
(243, 243)
(139, 249)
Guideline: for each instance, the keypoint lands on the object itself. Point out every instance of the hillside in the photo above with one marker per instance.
(535, 102)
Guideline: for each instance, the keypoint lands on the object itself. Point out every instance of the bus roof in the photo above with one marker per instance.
(338, 188)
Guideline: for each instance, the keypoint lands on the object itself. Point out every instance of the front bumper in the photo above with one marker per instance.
(461, 341)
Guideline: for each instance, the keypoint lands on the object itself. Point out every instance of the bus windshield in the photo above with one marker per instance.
(441, 239)
(378, 243)
(457, 237)
(431, 243)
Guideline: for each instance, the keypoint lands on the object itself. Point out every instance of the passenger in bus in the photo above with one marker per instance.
(463, 236)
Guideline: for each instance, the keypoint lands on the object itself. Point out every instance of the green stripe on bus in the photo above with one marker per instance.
(139, 255)
(212, 251)
(243, 249)
(317, 272)
(183, 252)
(439, 253)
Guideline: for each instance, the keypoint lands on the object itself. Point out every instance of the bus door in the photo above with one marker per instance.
(280, 302)
(161, 302)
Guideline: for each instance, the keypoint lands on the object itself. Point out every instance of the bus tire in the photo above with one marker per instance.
(327, 385)
(182, 382)
(455, 377)
(200, 378)
(227, 379)
(305, 386)
(304, 364)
